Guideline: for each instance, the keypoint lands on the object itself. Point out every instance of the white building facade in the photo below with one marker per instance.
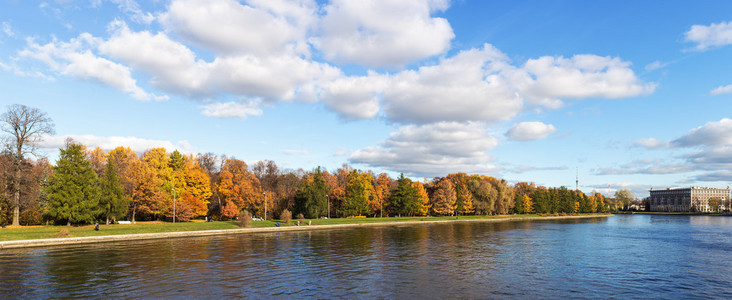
(691, 199)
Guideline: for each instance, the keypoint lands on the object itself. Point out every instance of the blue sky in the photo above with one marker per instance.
(631, 94)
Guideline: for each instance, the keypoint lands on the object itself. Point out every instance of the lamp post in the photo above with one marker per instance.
(265, 205)
(173, 205)
(328, 196)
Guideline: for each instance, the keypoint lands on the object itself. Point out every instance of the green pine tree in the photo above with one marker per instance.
(73, 190)
(113, 202)
(404, 198)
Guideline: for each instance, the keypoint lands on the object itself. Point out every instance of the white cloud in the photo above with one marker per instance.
(6, 29)
(75, 58)
(714, 35)
(132, 8)
(550, 79)
(727, 89)
(227, 26)
(175, 68)
(295, 152)
(107, 143)
(432, 150)
(239, 110)
(711, 134)
(655, 65)
(651, 143)
(527, 131)
(469, 86)
(383, 33)
(355, 97)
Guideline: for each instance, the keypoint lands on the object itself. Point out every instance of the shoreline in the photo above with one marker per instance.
(202, 233)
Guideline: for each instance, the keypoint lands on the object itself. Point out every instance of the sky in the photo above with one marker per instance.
(621, 94)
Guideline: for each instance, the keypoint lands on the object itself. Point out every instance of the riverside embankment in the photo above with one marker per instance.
(200, 233)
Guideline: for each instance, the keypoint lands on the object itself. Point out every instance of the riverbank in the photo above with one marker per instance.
(317, 225)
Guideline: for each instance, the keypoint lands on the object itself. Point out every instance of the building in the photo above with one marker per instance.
(691, 199)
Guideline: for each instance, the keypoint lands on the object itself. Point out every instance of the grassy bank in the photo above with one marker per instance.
(47, 232)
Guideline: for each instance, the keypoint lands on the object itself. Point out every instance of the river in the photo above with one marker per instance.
(625, 256)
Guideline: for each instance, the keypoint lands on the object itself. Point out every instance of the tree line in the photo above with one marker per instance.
(90, 185)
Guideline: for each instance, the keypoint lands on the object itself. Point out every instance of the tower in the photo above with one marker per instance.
(576, 182)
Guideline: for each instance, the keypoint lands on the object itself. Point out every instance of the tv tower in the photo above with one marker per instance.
(576, 187)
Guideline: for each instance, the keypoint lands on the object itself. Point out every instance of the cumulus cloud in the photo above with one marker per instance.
(383, 33)
(713, 35)
(107, 143)
(726, 89)
(651, 143)
(262, 27)
(355, 97)
(550, 79)
(240, 110)
(176, 69)
(77, 59)
(468, 86)
(711, 134)
(432, 150)
(527, 131)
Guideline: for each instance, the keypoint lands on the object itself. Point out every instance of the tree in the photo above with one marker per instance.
(147, 198)
(527, 204)
(25, 127)
(358, 192)
(73, 191)
(383, 186)
(624, 197)
(312, 199)
(423, 199)
(114, 202)
(404, 198)
(484, 194)
(443, 199)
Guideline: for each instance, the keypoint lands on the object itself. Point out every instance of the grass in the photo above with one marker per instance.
(46, 232)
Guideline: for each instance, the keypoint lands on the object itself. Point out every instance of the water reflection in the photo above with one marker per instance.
(623, 256)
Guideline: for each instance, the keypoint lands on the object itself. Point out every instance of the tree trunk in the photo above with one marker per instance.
(107, 220)
(16, 197)
(133, 214)
(68, 223)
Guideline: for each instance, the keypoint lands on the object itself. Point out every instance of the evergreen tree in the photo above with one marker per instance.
(113, 202)
(404, 198)
(73, 190)
(312, 199)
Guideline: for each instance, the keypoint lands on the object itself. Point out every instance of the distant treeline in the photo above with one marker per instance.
(91, 185)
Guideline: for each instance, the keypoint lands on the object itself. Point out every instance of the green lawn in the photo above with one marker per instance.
(44, 232)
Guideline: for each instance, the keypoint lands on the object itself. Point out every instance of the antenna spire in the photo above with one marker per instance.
(577, 180)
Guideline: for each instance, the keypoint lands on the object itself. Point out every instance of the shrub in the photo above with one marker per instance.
(301, 217)
(285, 216)
(245, 219)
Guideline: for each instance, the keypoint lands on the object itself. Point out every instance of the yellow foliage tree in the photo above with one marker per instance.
(528, 204)
(443, 199)
(423, 199)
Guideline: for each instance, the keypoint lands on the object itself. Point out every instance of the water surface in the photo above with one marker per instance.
(626, 256)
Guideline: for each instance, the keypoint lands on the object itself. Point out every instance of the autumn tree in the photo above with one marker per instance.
(113, 201)
(484, 194)
(98, 159)
(194, 186)
(423, 199)
(147, 197)
(443, 199)
(24, 128)
(382, 188)
(73, 190)
(527, 204)
(464, 199)
(241, 187)
(624, 197)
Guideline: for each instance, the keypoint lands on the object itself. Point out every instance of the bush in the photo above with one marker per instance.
(301, 217)
(245, 219)
(285, 216)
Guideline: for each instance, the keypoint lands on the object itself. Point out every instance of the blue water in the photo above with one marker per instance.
(626, 256)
